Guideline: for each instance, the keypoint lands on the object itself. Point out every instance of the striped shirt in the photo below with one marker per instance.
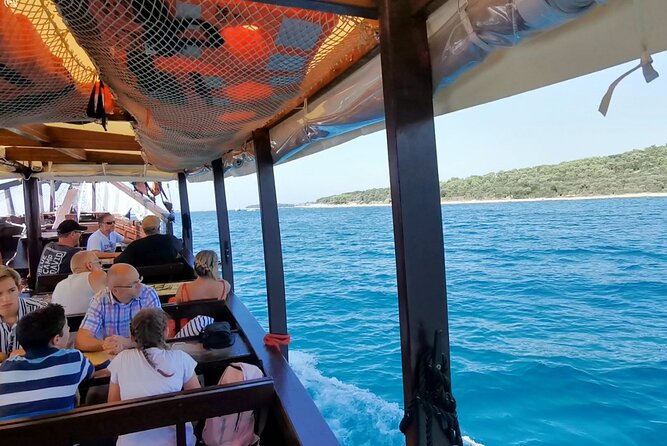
(44, 381)
(106, 316)
(8, 341)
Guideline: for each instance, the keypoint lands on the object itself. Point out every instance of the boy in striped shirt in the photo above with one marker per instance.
(46, 379)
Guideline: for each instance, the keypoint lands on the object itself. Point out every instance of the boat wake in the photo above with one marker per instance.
(357, 416)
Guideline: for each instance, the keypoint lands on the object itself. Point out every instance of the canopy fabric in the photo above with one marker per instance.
(196, 77)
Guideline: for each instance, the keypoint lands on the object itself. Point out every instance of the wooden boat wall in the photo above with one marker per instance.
(130, 90)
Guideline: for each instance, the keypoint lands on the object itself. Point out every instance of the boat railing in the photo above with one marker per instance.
(95, 423)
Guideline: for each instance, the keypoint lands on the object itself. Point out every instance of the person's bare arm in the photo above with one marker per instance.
(97, 280)
(114, 393)
(192, 383)
(86, 342)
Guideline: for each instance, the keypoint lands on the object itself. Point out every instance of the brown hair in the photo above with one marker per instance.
(147, 328)
(6, 272)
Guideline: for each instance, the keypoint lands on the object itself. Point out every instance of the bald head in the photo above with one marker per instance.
(151, 225)
(84, 261)
(122, 274)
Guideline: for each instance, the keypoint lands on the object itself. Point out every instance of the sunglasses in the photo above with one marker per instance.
(132, 285)
(109, 223)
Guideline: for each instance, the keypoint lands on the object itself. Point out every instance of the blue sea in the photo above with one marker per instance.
(558, 317)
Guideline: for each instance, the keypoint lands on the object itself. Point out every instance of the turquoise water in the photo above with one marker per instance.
(558, 317)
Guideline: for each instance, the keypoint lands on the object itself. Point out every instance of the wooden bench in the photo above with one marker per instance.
(93, 423)
(170, 272)
(46, 284)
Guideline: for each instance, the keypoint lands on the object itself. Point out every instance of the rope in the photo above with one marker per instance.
(276, 340)
(433, 396)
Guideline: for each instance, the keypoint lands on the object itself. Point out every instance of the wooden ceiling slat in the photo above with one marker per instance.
(34, 132)
(46, 155)
(66, 138)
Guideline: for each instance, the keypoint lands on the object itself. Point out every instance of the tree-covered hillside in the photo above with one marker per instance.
(638, 171)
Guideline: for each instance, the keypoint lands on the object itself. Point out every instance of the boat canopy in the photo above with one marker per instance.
(178, 84)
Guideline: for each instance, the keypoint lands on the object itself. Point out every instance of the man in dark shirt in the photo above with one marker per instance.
(154, 248)
(57, 255)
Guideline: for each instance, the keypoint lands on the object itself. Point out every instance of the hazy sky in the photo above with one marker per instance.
(546, 126)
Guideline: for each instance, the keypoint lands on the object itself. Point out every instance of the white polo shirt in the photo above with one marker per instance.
(100, 242)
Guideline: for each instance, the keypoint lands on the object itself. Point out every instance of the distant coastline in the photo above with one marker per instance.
(500, 200)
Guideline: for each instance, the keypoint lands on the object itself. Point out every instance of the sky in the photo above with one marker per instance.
(546, 126)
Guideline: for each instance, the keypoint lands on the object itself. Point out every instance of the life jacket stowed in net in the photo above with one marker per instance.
(237, 429)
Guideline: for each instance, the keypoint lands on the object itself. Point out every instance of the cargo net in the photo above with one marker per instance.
(199, 75)
(42, 78)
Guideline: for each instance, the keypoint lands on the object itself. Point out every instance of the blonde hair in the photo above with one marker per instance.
(7, 272)
(206, 264)
(147, 328)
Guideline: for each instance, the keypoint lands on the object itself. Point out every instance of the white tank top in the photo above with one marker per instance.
(73, 293)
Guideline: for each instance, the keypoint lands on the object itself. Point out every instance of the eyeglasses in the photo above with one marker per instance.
(109, 223)
(132, 285)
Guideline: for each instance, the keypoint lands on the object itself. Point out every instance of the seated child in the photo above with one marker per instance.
(46, 379)
(151, 369)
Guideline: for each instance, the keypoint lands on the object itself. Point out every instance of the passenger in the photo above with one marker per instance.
(208, 284)
(56, 256)
(87, 279)
(154, 248)
(106, 325)
(105, 239)
(151, 369)
(13, 308)
(46, 379)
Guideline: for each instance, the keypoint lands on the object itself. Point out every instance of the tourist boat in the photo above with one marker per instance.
(200, 89)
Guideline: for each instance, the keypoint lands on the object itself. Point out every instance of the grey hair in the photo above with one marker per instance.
(206, 264)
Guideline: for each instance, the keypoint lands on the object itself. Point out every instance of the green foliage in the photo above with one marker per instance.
(638, 171)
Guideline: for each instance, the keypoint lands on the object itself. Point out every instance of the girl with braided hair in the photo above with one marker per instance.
(152, 368)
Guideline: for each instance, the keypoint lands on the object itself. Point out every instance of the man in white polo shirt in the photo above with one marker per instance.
(105, 239)
(76, 291)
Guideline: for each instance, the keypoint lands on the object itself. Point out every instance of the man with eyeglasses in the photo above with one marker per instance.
(56, 256)
(106, 325)
(87, 279)
(105, 239)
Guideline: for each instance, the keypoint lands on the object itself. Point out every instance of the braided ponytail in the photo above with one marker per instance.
(206, 264)
(147, 328)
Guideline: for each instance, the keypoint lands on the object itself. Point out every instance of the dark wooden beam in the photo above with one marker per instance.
(425, 7)
(186, 222)
(33, 226)
(415, 194)
(297, 410)
(273, 251)
(223, 221)
(358, 8)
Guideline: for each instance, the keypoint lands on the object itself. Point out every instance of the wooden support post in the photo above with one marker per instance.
(186, 221)
(33, 228)
(415, 194)
(223, 221)
(273, 253)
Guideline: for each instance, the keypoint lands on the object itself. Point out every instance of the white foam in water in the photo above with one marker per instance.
(357, 416)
